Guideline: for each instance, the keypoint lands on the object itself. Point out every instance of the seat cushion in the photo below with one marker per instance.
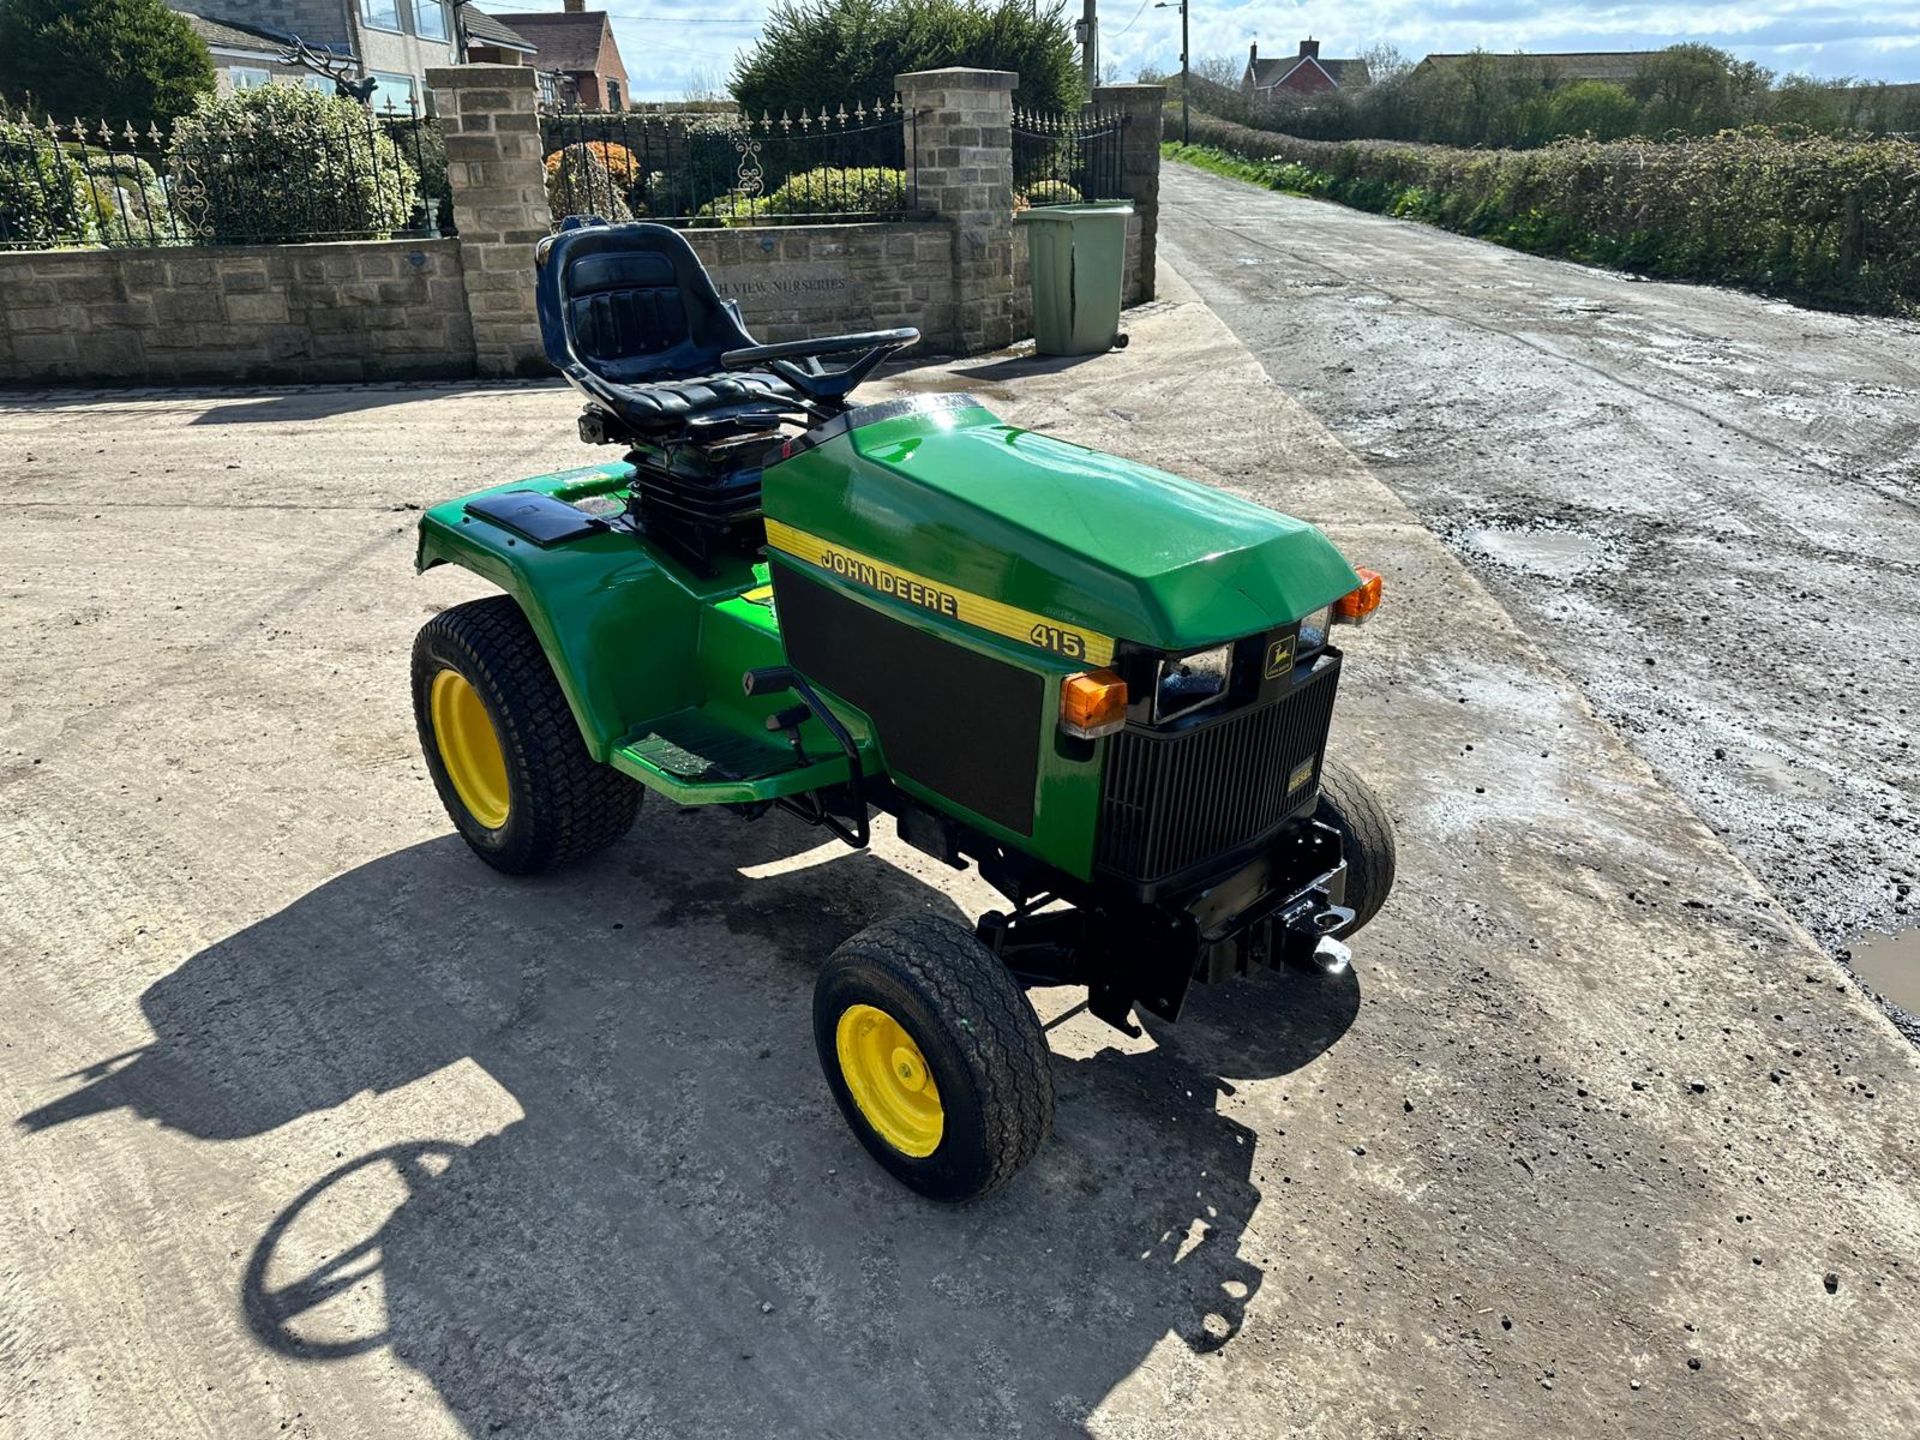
(671, 403)
(624, 306)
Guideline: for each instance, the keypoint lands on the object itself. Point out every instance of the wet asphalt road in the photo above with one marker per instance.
(1704, 504)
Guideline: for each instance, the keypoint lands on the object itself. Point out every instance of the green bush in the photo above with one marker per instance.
(282, 162)
(129, 202)
(1593, 108)
(1820, 217)
(824, 192)
(423, 145)
(44, 195)
(1046, 192)
(828, 191)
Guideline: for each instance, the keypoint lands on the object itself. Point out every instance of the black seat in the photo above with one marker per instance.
(630, 317)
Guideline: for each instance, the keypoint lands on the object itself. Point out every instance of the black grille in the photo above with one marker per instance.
(1174, 800)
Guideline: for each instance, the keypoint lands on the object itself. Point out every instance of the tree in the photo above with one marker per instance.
(1596, 108)
(814, 53)
(118, 60)
(1820, 105)
(1385, 63)
(1223, 70)
(1699, 89)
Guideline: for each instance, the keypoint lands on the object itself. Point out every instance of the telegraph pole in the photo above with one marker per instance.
(1186, 69)
(1089, 45)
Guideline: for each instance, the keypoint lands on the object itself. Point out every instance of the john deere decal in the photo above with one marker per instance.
(1010, 621)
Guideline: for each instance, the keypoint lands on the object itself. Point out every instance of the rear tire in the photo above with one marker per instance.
(934, 1056)
(1349, 805)
(502, 745)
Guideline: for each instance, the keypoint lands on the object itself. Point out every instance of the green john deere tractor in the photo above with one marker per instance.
(1108, 688)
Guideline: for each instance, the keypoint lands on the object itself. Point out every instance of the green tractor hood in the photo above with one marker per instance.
(940, 489)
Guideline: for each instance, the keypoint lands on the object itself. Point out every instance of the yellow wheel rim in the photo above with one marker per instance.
(469, 747)
(890, 1080)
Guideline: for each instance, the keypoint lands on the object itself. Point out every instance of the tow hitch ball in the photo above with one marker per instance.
(1309, 924)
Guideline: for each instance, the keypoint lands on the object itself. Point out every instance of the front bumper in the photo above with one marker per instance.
(1279, 909)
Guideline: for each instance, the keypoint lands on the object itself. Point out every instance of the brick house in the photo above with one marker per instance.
(1308, 73)
(577, 49)
(392, 40)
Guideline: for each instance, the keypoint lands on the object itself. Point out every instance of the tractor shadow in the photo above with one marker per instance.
(679, 1235)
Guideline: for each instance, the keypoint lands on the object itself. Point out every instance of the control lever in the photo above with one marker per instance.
(776, 680)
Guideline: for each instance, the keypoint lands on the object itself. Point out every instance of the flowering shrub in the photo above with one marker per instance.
(616, 159)
(1832, 219)
(579, 183)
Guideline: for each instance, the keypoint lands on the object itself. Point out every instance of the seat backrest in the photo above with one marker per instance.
(631, 304)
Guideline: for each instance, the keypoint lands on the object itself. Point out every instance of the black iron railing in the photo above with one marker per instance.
(721, 169)
(345, 174)
(1061, 159)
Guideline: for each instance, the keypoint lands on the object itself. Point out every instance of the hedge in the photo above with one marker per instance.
(1822, 218)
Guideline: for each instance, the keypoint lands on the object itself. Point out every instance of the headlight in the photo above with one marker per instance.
(1313, 632)
(1187, 682)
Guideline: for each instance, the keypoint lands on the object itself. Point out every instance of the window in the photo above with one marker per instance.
(429, 19)
(394, 92)
(318, 82)
(380, 14)
(613, 95)
(545, 81)
(247, 77)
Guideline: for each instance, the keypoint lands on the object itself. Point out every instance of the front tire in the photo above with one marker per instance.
(934, 1056)
(1349, 805)
(502, 745)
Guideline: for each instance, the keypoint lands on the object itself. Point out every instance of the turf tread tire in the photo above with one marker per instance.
(564, 805)
(1350, 805)
(967, 993)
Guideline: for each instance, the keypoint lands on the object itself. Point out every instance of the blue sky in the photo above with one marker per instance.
(670, 45)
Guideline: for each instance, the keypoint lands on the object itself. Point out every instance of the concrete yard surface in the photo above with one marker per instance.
(318, 1127)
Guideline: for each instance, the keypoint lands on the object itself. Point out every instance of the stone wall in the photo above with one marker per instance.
(962, 128)
(396, 309)
(490, 115)
(353, 310)
(799, 280)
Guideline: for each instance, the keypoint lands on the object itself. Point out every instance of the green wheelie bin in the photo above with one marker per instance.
(1079, 258)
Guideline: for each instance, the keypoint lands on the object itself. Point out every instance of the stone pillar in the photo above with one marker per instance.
(960, 125)
(1143, 106)
(490, 117)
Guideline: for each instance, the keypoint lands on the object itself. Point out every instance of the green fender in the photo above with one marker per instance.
(620, 630)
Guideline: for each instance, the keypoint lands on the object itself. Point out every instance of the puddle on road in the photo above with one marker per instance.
(1891, 965)
(1783, 777)
(1558, 554)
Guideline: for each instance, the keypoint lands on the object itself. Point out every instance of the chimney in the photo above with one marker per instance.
(1309, 49)
(1253, 53)
(576, 7)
